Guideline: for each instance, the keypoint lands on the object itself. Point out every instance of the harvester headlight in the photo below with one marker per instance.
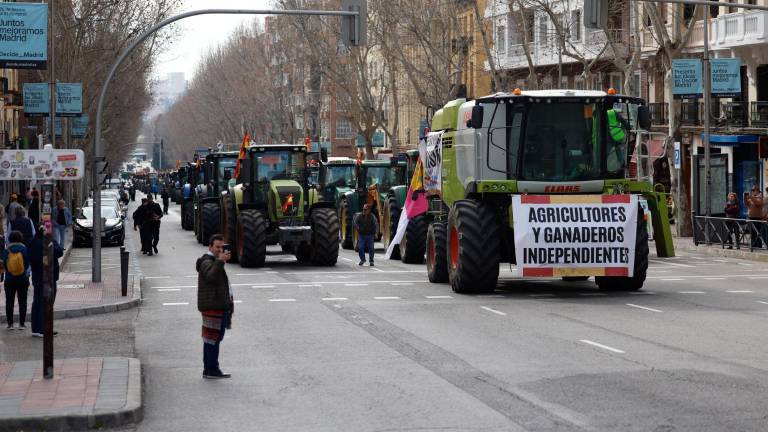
(503, 187)
(495, 187)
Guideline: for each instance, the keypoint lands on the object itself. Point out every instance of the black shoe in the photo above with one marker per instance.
(143, 252)
(155, 248)
(371, 263)
(361, 262)
(149, 253)
(215, 375)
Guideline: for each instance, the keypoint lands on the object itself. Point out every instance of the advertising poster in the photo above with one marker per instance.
(53, 164)
(23, 35)
(686, 79)
(69, 99)
(36, 99)
(79, 126)
(726, 77)
(576, 235)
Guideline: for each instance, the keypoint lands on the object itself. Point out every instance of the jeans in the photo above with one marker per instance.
(16, 288)
(60, 234)
(211, 351)
(363, 242)
(154, 233)
(755, 232)
(37, 307)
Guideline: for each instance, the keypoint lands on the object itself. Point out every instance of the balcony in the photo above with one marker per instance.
(689, 113)
(739, 29)
(735, 113)
(759, 114)
(659, 113)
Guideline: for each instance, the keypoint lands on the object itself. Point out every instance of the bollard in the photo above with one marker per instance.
(124, 270)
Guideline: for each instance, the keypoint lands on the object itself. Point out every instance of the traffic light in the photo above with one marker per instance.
(596, 14)
(354, 29)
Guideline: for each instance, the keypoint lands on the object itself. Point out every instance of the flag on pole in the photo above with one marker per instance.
(241, 156)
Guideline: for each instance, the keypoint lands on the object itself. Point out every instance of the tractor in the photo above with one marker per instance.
(193, 177)
(374, 180)
(218, 169)
(273, 203)
(559, 149)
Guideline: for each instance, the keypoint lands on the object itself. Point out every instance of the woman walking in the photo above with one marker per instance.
(16, 264)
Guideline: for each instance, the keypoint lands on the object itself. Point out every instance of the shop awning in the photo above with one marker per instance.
(731, 140)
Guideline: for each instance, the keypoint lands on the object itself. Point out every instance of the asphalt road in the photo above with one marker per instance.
(354, 348)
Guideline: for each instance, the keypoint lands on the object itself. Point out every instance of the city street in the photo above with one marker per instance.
(351, 348)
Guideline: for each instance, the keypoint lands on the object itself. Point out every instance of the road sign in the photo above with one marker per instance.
(52, 164)
(677, 155)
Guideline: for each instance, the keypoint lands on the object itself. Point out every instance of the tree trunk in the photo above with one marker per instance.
(682, 208)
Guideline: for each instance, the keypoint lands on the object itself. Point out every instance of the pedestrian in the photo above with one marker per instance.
(10, 210)
(367, 226)
(62, 218)
(36, 254)
(166, 197)
(755, 213)
(23, 224)
(34, 208)
(215, 302)
(132, 191)
(16, 264)
(732, 211)
(139, 222)
(154, 214)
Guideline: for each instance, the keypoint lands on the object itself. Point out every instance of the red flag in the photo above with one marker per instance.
(241, 156)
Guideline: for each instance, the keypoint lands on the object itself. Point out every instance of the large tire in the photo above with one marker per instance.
(634, 283)
(414, 243)
(437, 255)
(325, 240)
(177, 197)
(187, 215)
(211, 221)
(473, 247)
(390, 216)
(252, 238)
(229, 223)
(346, 230)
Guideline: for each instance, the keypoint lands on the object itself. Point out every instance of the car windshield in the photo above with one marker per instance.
(384, 176)
(108, 213)
(226, 165)
(341, 176)
(280, 165)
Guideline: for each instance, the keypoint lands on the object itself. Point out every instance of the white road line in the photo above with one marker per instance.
(438, 297)
(691, 292)
(758, 277)
(670, 263)
(720, 260)
(190, 276)
(271, 272)
(401, 283)
(379, 270)
(713, 278)
(175, 304)
(353, 272)
(346, 259)
(599, 345)
(702, 276)
(168, 289)
(176, 286)
(641, 293)
(386, 298)
(591, 294)
(262, 286)
(744, 264)
(672, 279)
(765, 303)
(492, 310)
(308, 285)
(540, 295)
(283, 300)
(157, 277)
(643, 307)
(355, 284)
(334, 298)
(739, 291)
(237, 301)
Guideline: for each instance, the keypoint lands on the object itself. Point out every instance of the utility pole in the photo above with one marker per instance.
(48, 197)
(707, 102)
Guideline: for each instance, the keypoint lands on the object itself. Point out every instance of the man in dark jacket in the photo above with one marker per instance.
(36, 253)
(139, 222)
(166, 197)
(367, 226)
(215, 302)
(154, 214)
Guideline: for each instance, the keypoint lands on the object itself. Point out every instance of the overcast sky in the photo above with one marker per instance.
(200, 33)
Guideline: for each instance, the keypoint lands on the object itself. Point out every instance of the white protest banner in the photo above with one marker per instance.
(53, 164)
(433, 163)
(575, 235)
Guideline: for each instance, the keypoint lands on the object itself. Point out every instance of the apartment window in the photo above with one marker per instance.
(576, 25)
(513, 33)
(501, 39)
(564, 82)
(616, 81)
(343, 129)
(543, 31)
(324, 128)
(299, 122)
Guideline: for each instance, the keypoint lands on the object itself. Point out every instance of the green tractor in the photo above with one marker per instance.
(413, 245)
(217, 170)
(556, 147)
(374, 178)
(273, 203)
(193, 176)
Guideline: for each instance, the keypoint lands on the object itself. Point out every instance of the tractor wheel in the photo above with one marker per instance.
(229, 222)
(177, 197)
(414, 242)
(346, 223)
(473, 247)
(390, 216)
(211, 221)
(325, 241)
(437, 255)
(187, 215)
(634, 283)
(251, 238)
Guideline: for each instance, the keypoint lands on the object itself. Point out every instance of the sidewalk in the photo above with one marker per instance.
(686, 244)
(85, 393)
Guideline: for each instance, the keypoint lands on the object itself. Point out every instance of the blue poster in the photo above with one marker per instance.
(36, 99)
(377, 140)
(23, 35)
(686, 79)
(69, 99)
(79, 126)
(726, 77)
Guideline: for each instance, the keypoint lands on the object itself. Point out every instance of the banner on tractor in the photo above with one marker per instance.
(432, 157)
(575, 235)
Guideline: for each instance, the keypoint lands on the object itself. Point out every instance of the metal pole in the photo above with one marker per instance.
(98, 151)
(52, 75)
(49, 293)
(707, 102)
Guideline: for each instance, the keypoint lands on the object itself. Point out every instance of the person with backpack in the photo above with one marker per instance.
(36, 253)
(17, 265)
(22, 224)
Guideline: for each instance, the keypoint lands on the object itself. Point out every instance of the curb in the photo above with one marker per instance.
(132, 412)
(717, 251)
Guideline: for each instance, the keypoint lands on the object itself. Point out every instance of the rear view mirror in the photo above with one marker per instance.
(644, 117)
(476, 122)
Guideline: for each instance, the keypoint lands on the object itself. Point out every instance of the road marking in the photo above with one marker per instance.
(739, 291)
(176, 286)
(643, 307)
(670, 263)
(354, 272)
(540, 295)
(355, 284)
(271, 272)
(758, 277)
(334, 298)
(190, 276)
(283, 300)
(599, 345)
(157, 277)
(492, 310)
(720, 260)
(744, 264)
(691, 292)
(166, 289)
(346, 259)
(308, 285)
(765, 303)
(702, 276)
(379, 270)
(175, 304)
(386, 298)
(401, 283)
(672, 279)
(262, 286)
(641, 293)
(713, 278)
(438, 297)
(591, 294)
(237, 301)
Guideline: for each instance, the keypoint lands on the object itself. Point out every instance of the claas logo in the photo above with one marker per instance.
(288, 204)
(562, 188)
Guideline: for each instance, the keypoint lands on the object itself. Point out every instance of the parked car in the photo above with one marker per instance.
(113, 231)
(108, 202)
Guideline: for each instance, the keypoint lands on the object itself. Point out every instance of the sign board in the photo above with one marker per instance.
(575, 235)
(23, 35)
(432, 159)
(686, 79)
(677, 155)
(377, 140)
(726, 77)
(79, 126)
(52, 164)
(37, 100)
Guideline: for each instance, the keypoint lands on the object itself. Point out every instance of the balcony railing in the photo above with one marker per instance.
(735, 113)
(659, 113)
(689, 114)
(739, 29)
(731, 113)
(758, 112)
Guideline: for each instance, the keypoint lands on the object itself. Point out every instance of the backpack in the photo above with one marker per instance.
(15, 263)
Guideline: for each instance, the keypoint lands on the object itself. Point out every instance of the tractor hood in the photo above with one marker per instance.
(286, 199)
